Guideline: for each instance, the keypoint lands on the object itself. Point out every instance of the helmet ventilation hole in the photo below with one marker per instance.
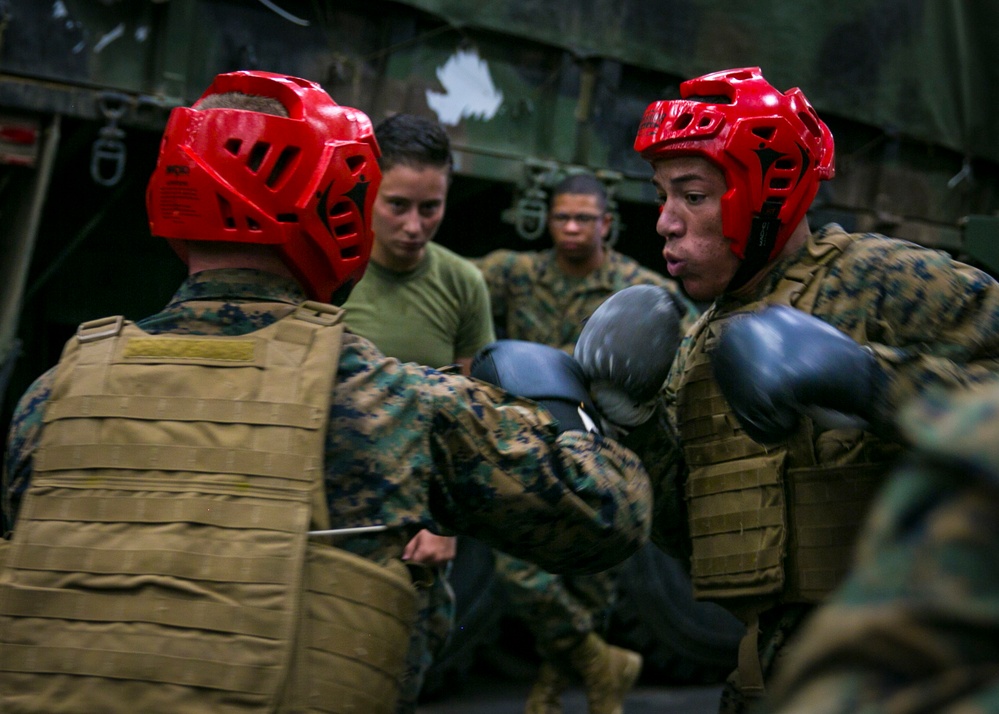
(232, 146)
(810, 122)
(765, 132)
(342, 230)
(225, 212)
(340, 209)
(342, 221)
(356, 163)
(281, 167)
(257, 155)
(682, 121)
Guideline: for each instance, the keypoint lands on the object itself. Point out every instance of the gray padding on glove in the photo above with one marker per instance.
(626, 349)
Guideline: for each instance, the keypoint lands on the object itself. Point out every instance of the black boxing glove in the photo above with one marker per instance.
(777, 364)
(542, 373)
(626, 350)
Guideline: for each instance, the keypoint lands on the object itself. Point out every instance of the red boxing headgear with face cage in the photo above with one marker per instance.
(771, 146)
(304, 183)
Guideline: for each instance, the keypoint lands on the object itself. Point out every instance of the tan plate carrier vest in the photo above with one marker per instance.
(767, 525)
(161, 559)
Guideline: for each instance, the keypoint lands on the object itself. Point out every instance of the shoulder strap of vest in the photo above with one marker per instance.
(308, 318)
(800, 285)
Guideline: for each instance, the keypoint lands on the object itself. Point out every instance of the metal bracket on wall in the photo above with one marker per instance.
(107, 157)
(612, 180)
(529, 213)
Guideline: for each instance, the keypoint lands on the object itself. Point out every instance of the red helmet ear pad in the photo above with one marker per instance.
(304, 183)
(771, 146)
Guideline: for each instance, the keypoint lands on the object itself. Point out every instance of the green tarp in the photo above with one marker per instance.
(923, 68)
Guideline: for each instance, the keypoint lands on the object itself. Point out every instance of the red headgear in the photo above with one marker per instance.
(304, 183)
(772, 147)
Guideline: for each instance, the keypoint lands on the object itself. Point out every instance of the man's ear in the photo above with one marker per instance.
(608, 221)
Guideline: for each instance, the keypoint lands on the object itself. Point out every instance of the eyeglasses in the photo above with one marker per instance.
(583, 219)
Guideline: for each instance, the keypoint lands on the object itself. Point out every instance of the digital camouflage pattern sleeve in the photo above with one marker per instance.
(915, 628)
(533, 300)
(427, 446)
(25, 428)
(932, 321)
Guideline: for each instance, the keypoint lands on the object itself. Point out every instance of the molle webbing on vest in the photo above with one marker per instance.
(735, 498)
(765, 523)
(827, 506)
(355, 637)
(161, 552)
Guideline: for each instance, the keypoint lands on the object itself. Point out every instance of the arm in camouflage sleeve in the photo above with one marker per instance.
(25, 427)
(570, 502)
(915, 628)
(931, 321)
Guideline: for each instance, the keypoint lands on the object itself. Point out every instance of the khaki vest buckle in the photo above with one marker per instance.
(99, 329)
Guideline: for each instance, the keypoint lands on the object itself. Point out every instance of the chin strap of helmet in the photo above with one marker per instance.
(762, 239)
(340, 295)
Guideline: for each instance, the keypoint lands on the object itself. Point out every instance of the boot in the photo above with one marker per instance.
(545, 696)
(608, 673)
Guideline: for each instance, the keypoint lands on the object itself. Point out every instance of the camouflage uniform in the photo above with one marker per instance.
(412, 447)
(930, 321)
(532, 299)
(915, 628)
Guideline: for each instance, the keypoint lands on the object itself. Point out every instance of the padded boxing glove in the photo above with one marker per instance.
(779, 363)
(626, 349)
(542, 373)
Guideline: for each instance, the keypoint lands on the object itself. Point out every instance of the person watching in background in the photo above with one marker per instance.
(546, 296)
(420, 302)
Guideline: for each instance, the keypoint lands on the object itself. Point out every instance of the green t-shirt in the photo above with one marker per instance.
(431, 315)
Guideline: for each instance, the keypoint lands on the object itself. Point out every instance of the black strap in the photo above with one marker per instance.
(762, 239)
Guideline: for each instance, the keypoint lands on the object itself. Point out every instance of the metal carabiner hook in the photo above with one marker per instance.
(108, 148)
(109, 152)
(530, 215)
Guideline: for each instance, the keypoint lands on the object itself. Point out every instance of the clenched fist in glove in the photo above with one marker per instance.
(626, 349)
(774, 365)
(539, 372)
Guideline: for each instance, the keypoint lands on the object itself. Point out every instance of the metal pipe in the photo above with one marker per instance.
(19, 248)
(349, 531)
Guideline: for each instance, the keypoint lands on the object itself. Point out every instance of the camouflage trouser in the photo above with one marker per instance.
(559, 610)
(777, 626)
(434, 621)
